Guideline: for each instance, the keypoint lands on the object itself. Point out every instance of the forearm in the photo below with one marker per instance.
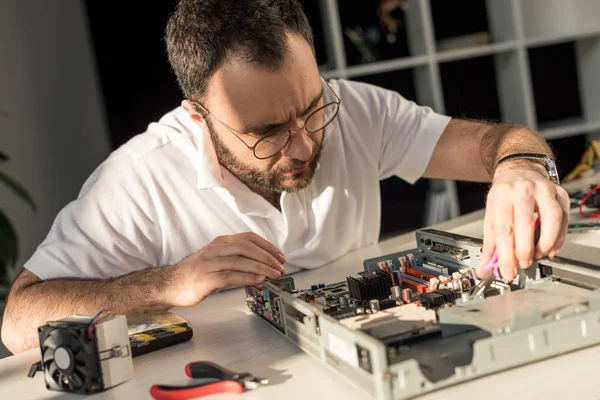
(470, 150)
(31, 304)
(503, 140)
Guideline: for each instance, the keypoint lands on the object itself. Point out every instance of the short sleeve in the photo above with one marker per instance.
(109, 230)
(399, 133)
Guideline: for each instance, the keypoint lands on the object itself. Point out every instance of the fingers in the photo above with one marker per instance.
(551, 221)
(264, 244)
(250, 250)
(505, 241)
(565, 204)
(254, 238)
(489, 243)
(243, 264)
(226, 278)
(524, 223)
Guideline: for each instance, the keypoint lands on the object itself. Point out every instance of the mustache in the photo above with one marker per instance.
(295, 164)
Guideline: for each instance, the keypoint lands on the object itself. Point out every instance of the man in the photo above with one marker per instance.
(264, 164)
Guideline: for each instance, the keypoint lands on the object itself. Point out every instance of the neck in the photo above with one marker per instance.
(270, 195)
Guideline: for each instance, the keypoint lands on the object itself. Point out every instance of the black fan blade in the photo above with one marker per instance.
(80, 357)
(76, 344)
(76, 379)
(48, 355)
(52, 341)
(52, 369)
(71, 384)
(61, 381)
(81, 370)
(51, 376)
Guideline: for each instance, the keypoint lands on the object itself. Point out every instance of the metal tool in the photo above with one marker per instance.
(491, 268)
(211, 379)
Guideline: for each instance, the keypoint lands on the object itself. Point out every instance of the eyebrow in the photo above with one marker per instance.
(270, 127)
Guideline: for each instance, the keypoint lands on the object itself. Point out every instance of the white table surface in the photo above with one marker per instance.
(226, 332)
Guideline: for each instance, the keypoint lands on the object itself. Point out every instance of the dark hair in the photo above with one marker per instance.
(202, 34)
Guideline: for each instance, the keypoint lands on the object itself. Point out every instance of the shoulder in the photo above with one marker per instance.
(166, 145)
(358, 94)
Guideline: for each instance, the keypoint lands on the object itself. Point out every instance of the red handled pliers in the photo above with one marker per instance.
(212, 379)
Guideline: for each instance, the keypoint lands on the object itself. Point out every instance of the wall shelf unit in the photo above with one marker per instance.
(509, 34)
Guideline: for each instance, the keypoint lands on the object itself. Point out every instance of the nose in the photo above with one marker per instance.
(300, 146)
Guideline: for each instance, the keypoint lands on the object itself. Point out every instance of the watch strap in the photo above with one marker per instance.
(543, 159)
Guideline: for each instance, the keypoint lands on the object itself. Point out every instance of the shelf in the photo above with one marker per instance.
(555, 82)
(568, 127)
(330, 73)
(379, 67)
(470, 88)
(366, 40)
(479, 51)
(539, 42)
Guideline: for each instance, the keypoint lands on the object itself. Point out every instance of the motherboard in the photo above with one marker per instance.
(409, 322)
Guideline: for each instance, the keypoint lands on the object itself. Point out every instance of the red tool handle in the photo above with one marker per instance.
(163, 392)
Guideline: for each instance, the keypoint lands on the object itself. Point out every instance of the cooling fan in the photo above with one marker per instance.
(82, 356)
(70, 360)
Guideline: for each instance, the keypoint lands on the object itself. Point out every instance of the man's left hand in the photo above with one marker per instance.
(516, 194)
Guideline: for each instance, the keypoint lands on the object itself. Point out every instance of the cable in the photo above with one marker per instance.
(587, 196)
(102, 314)
(586, 164)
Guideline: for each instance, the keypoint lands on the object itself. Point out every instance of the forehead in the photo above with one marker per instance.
(248, 92)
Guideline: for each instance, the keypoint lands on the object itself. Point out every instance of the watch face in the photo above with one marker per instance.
(551, 167)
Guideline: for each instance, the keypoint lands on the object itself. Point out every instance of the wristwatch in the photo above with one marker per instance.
(541, 159)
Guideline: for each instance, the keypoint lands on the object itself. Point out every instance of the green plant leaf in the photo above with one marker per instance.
(18, 189)
(4, 156)
(9, 247)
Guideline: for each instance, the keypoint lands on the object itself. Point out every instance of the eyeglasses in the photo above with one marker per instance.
(271, 143)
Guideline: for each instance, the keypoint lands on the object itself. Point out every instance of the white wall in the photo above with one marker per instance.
(55, 132)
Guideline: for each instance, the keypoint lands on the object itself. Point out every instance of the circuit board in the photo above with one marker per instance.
(408, 323)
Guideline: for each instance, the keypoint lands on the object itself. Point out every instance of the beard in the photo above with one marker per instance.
(273, 179)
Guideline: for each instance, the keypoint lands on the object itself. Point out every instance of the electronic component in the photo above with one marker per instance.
(393, 321)
(396, 292)
(406, 295)
(85, 354)
(371, 285)
(152, 332)
(370, 326)
(374, 305)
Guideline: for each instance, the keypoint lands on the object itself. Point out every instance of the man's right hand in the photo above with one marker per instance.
(231, 260)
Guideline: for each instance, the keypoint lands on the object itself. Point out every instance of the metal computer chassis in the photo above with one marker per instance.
(545, 318)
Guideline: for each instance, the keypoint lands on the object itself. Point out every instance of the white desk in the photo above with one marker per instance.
(226, 333)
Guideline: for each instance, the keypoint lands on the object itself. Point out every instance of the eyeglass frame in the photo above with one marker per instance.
(289, 138)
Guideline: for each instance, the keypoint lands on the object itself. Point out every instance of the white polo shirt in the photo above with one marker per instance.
(162, 196)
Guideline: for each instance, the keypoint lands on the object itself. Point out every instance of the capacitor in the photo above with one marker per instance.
(471, 275)
(321, 285)
(466, 284)
(433, 284)
(464, 296)
(374, 305)
(343, 302)
(406, 295)
(314, 287)
(456, 284)
(396, 292)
